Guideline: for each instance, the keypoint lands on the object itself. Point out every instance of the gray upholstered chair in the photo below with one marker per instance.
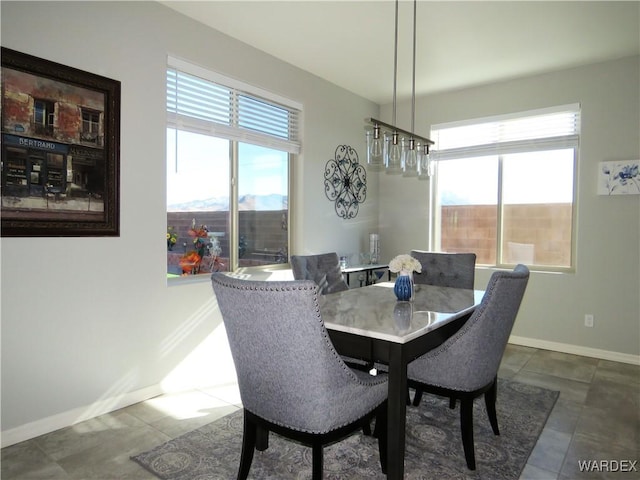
(442, 269)
(324, 269)
(291, 379)
(445, 269)
(466, 365)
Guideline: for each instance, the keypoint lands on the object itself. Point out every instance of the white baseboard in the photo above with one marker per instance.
(71, 417)
(576, 350)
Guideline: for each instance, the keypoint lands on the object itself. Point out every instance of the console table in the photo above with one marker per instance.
(367, 269)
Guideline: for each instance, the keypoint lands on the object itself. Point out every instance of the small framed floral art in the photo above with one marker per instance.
(619, 178)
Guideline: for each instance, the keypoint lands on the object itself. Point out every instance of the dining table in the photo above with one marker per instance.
(371, 324)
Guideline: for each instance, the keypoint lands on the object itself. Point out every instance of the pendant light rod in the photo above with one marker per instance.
(395, 67)
(393, 128)
(413, 84)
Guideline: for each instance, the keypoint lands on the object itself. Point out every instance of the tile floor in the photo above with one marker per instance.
(597, 417)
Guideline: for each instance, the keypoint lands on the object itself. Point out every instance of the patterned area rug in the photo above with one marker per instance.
(434, 447)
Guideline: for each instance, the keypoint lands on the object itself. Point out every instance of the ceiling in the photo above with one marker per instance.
(459, 44)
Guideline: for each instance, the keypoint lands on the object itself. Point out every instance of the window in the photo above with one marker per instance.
(55, 171)
(505, 188)
(16, 171)
(229, 150)
(43, 117)
(90, 132)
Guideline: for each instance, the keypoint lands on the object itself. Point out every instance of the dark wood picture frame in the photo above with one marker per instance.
(60, 150)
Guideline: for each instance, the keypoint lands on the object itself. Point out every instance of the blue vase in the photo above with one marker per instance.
(403, 288)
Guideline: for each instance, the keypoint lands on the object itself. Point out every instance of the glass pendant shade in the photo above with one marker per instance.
(425, 166)
(394, 160)
(410, 165)
(375, 149)
(377, 145)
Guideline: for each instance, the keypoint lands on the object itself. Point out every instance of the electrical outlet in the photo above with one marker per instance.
(588, 320)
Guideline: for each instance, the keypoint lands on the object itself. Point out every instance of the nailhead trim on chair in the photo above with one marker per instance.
(308, 285)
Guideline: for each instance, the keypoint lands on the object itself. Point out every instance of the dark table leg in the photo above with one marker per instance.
(397, 412)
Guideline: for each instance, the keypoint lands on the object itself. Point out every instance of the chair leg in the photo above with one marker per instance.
(317, 454)
(366, 428)
(262, 439)
(381, 433)
(248, 446)
(466, 426)
(417, 397)
(490, 401)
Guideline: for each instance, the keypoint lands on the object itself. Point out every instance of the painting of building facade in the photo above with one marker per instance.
(59, 151)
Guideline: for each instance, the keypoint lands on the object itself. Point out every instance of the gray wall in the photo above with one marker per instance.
(89, 324)
(606, 282)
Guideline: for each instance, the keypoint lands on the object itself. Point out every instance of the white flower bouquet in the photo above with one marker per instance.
(405, 263)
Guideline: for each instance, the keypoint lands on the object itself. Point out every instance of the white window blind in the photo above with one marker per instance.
(204, 102)
(545, 129)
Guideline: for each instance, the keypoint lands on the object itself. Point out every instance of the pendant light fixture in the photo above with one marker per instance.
(399, 151)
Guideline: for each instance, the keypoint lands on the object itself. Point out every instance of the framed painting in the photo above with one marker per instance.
(619, 178)
(60, 150)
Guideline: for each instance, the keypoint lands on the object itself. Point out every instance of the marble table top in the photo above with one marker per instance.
(374, 312)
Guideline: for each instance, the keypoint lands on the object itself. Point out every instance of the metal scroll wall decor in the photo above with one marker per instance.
(345, 182)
